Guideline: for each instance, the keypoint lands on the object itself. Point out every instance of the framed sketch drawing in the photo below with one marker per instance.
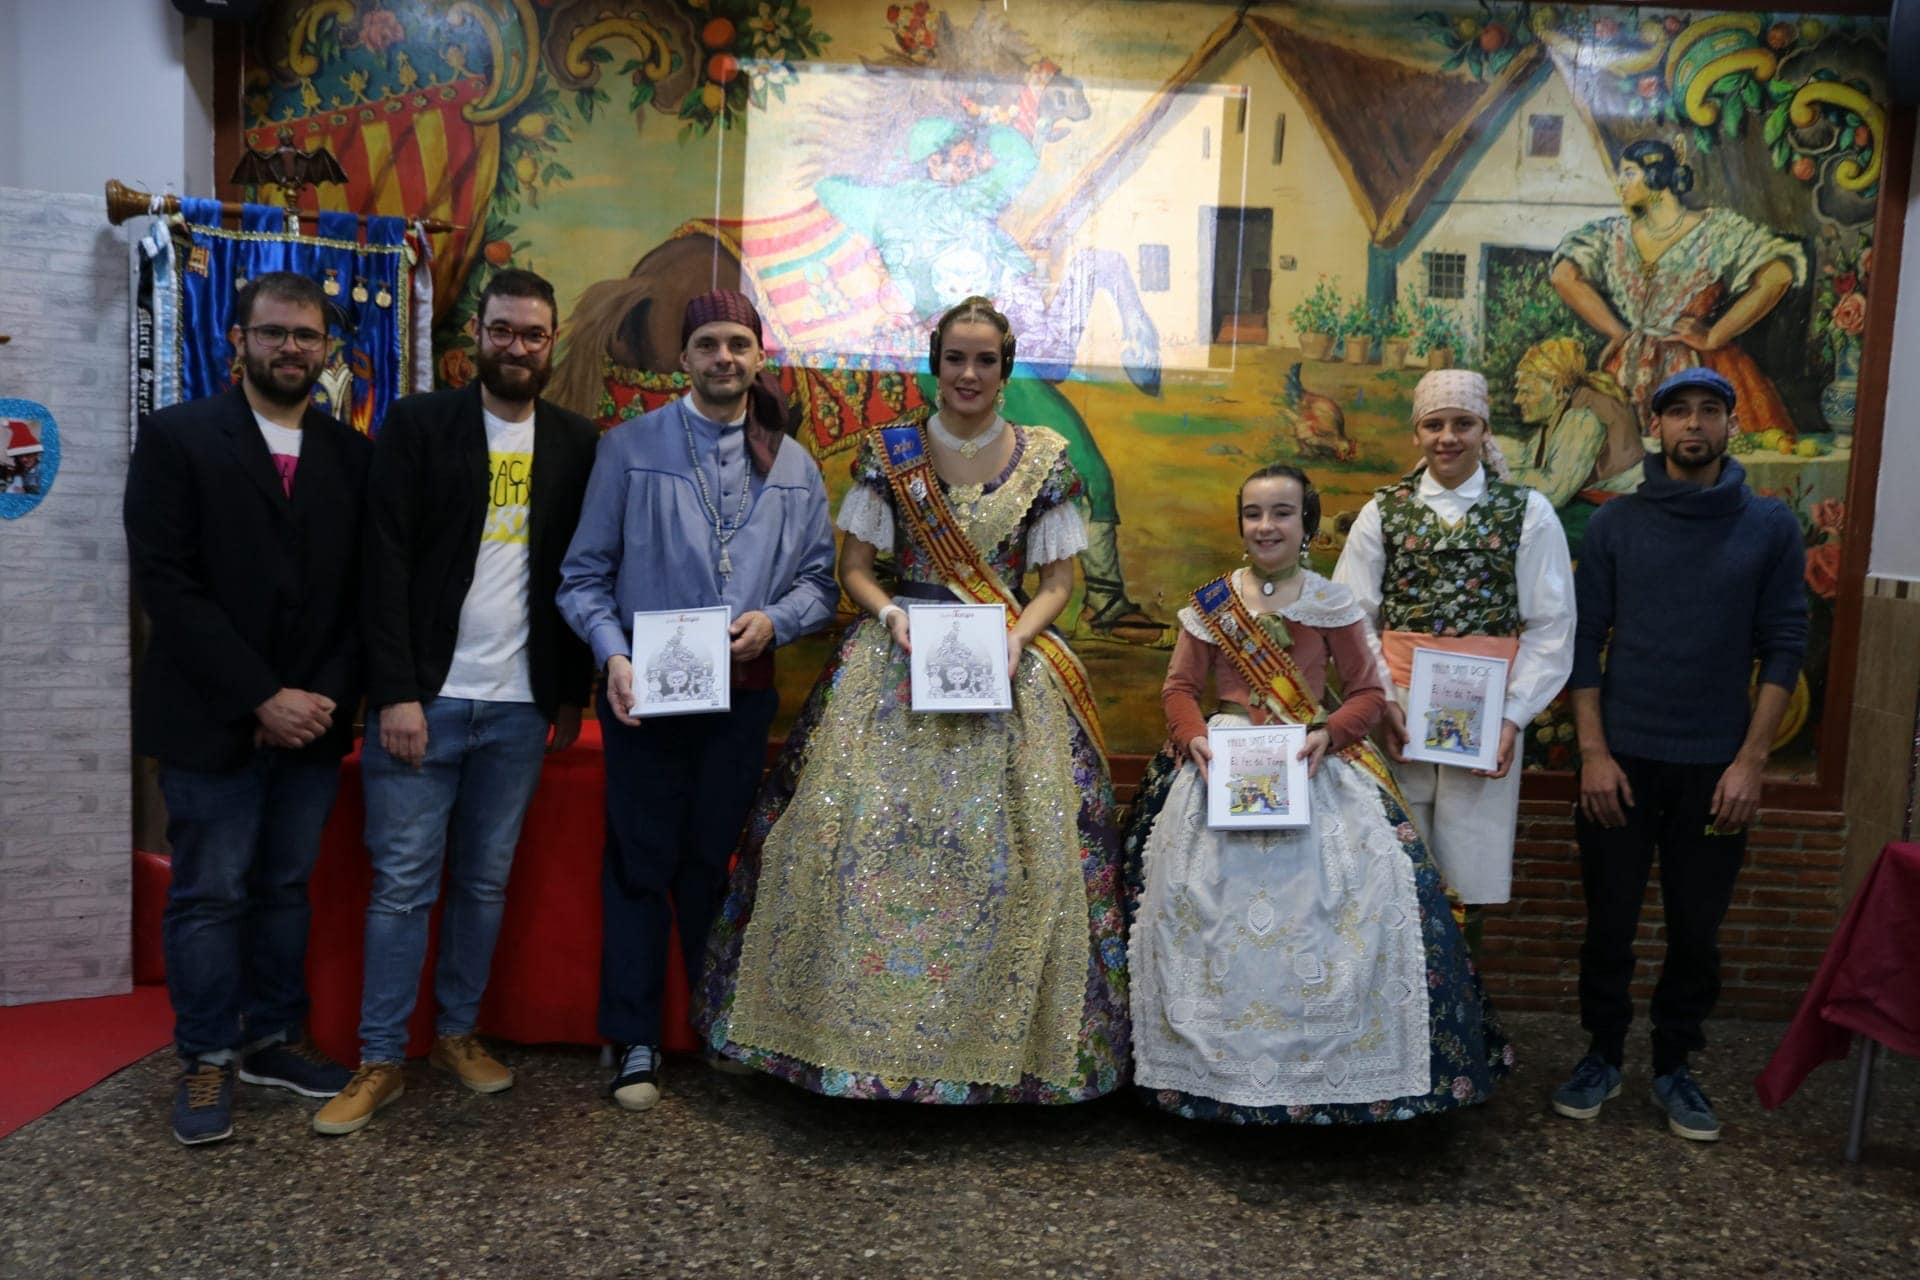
(1256, 778)
(681, 662)
(1454, 704)
(959, 660)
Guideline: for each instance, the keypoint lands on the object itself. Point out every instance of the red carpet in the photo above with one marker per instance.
(50, 1052)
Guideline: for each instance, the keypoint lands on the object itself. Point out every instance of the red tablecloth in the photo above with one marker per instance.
(1869, 982)
(546, 969)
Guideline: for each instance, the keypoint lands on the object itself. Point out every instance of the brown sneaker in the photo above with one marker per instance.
(471, 1064)
(373, 1086)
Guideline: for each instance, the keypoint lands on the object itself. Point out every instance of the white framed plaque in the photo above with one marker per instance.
(682, 662)
(1256, 778)
(1454, 706)
(959, 658)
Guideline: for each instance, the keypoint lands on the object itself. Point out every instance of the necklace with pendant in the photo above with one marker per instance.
(1269, 583)
(966, 447)
(724, 532)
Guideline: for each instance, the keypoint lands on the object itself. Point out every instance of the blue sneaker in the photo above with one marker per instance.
(1594, 1080)
(1689, 1114)
(297, 1066)
(203, 1103)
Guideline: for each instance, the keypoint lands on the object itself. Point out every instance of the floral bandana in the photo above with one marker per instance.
(1451, 389)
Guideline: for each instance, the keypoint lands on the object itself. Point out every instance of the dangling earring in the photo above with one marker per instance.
(1000, 402)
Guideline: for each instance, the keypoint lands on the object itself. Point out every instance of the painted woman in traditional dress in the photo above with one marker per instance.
(1672, 287)
(1310, 975)
(926, 907)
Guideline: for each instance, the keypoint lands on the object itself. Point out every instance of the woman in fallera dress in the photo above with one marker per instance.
(926, 906)
(1308, 975)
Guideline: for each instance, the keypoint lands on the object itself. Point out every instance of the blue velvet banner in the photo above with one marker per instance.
(366, 283)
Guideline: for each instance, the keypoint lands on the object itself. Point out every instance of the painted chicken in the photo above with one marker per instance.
(1319, 427)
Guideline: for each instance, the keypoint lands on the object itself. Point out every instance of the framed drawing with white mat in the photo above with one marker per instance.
(1256, 778)
(1454, 704)
(959, 659)
(682, 662)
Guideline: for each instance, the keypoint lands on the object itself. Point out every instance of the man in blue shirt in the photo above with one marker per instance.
(702, 502)
(1693, 587)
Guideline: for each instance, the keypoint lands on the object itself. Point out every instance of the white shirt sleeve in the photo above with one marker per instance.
(1059, 534)
(1545, 574)
(1361, 563)
(867, 516)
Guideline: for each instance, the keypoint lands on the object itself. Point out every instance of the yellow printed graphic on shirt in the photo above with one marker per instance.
(509, 486)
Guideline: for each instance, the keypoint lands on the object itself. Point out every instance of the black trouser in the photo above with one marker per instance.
(1672, 809)
(678, 791)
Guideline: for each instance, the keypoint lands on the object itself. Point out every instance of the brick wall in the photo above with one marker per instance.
(65, 871)
(1785, 907)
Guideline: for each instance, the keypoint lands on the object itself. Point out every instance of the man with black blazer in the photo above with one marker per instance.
(243, 515)
(472, 677)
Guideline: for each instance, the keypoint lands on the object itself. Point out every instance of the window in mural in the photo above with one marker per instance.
(1156, 269)
(1446, 274)
(1543, 139)
(1704, 195)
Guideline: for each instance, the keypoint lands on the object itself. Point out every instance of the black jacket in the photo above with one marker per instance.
(249, 591)
(426, 507)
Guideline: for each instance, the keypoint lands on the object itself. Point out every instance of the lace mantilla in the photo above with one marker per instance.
(1323, 603)
(989, 517)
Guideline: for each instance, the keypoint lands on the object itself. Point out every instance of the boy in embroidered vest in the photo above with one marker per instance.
(1450, 558)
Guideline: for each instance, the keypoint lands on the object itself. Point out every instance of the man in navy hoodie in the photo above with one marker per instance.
(1689, 588)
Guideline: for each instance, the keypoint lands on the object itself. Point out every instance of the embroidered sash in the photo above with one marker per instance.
(931, 522)
(1271, 673)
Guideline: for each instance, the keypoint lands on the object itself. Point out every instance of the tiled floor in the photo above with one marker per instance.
(750, 1177)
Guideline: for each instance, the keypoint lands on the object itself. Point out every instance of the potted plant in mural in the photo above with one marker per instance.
(1316, 318)
(1839, 318)
(1392, 333)
(1437, 335)
(1357, 326)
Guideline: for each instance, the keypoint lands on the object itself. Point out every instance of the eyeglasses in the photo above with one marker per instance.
(502, 335)
(275, 335)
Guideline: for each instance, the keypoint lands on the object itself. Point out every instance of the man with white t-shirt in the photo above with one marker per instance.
(243, 529)
(472, 677)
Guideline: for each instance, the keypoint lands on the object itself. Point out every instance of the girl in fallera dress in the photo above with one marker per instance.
(926, 906)
(1310, 975)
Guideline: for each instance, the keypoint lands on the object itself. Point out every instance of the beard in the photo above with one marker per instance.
(494, 375)
(1696, 453)
(274, 385)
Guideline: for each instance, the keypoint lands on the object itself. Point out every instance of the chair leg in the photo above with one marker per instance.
(1862, 1095)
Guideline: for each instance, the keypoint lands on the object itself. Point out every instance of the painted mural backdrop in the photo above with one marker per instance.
(1226, 238)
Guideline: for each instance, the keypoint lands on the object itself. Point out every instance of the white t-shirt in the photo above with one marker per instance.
(284, 444)
(490, 655)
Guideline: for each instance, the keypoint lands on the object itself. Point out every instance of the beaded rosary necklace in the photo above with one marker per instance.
(721, 529)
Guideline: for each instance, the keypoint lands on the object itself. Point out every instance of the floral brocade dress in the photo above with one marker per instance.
(1697, 276)
(1308, 975)
(926, 906)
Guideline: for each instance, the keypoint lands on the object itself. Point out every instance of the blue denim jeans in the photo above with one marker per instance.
(472, 790)
(235, 928)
